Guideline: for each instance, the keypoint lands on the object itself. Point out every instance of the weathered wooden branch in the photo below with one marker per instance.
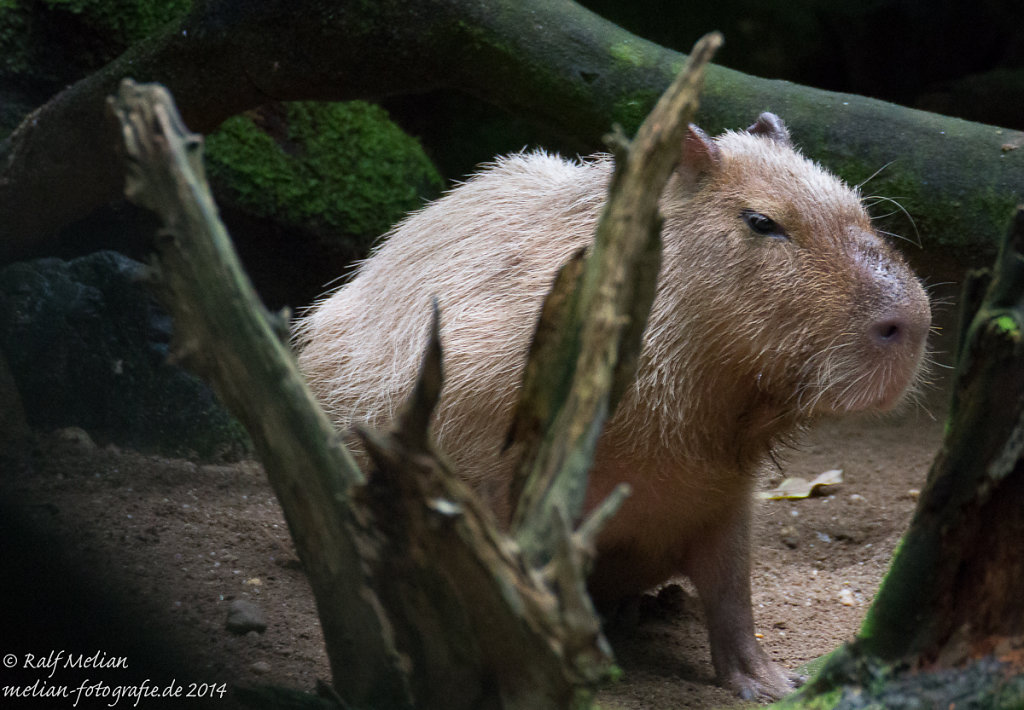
(947, 624)
(479, 625)
(555, 62)
(424, 602)
(597, 330)
(224, 333)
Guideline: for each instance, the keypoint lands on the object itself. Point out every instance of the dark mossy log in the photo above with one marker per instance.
(424, 602)
(948, 621)
(555, 62)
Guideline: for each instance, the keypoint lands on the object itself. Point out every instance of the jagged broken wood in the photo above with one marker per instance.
(947, 626)
(592, 326)
(489, 629)
(222, 331)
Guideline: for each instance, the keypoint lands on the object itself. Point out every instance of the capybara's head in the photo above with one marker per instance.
(788, 290)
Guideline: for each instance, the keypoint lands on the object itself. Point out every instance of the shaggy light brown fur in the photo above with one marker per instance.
(750, 336)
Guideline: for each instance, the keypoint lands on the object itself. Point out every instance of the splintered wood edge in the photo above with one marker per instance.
(648, 162)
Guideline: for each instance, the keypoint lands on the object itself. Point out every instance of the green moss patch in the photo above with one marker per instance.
(343, 167)
(1008, 326)
(627, 53)
(630, 111)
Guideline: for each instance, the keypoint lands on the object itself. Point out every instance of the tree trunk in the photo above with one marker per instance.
(555, 62)
(423, 601)
(948, 621)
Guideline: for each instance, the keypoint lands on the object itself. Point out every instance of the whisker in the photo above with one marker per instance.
(942, 303)
(884, 215)
(901, 208)
(873, 175)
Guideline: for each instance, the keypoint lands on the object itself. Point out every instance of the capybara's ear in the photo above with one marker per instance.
(700, 155)
(771, 126)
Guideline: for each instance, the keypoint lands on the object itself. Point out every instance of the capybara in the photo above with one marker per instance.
(777, 302)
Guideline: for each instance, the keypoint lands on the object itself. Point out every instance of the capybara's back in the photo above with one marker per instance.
(777, 301)
(488, 252)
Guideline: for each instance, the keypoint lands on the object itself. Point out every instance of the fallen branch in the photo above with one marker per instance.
(572, 70)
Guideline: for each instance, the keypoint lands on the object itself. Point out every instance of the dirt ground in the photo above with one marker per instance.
(139, 557)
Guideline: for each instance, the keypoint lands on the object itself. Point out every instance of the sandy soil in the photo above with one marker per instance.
(138, 558)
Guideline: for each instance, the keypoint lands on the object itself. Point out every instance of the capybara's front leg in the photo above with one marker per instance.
(719, 565)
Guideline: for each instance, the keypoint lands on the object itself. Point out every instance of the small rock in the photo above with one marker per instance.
(260, 667)
(245, 616)
(846, 597)
(790, 537)
(75, 436)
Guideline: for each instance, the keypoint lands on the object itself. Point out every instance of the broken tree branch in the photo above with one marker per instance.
(600, 326)
(223, 332)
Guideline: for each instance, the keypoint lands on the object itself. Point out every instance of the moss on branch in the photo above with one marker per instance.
(554, 62)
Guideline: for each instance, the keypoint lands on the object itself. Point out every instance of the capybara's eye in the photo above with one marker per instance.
(763, 225)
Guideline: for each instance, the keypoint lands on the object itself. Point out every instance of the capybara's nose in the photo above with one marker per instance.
(905, 325)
